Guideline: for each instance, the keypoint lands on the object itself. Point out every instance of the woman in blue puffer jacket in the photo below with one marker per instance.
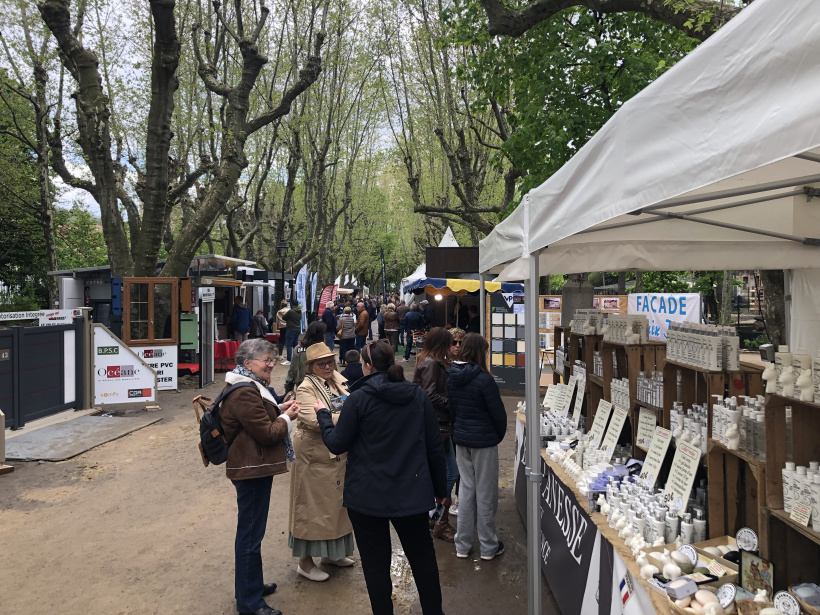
(480, 422)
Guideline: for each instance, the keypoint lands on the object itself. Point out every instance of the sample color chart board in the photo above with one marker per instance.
(507, 335)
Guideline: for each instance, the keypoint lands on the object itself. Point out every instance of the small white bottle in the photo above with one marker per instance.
(801, 360)
(658, 526)
(788, 486)
(782, 358)
(672, 527)
(700, 526)
(687, 530)
(799, 481)
(815, 503)
(760, 435)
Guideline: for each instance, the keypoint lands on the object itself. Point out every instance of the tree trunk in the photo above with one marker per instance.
(775, 310)
(726, 299)
(639, 281)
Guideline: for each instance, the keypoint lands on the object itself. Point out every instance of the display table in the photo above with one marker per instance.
(588, 568)
(224, 352)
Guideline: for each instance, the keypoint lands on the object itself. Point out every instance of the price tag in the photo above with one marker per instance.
(613, 432)
(746, 539)
(655, 456)
(726, 595)
(697, 577)
(579, 401)
(646, 428)
(681, 477)
(716, 569)
(801, 513)
(596, 432)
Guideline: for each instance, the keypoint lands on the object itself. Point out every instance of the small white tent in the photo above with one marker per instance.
(447, 241)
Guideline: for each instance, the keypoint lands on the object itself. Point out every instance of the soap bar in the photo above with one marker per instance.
(680, 588)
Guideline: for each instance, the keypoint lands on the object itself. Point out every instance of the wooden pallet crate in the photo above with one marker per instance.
(737, 491)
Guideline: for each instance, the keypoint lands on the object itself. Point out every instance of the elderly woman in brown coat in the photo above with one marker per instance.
(391, 326)
(260, 427)
(319, 525)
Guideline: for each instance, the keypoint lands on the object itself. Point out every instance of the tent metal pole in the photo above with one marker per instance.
(482, 303)
(808, 156)
(725, 194)
(736, 227)
(533, 460)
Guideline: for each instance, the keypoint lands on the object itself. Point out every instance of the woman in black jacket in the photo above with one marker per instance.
(395, 468)
(480, 422)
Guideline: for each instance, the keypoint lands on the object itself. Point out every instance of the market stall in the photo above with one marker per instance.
(714, 166)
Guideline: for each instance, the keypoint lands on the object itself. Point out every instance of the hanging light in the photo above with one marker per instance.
(438, 297)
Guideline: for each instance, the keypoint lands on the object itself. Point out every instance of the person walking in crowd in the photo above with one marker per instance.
(281, 326)
(401, 309)
(347, 333)
(353, 371)
(474, 322)
(391, 326)
(256, 455)
(329, 318)
(293, 326)
(258, 326)
(427, 313)
(479, 425)
(362, 326)
(240, 319)
(413, 321)
(458, 337)
(432, 366)
(319, 525)
(372, 312)
(390, 428)
(314, 334)
(380, 322)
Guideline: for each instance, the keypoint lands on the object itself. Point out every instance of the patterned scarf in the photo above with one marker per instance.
(241, 370)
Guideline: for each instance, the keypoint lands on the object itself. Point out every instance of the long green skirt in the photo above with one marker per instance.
(331, 549)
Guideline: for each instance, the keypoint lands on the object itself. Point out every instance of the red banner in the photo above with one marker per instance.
(328, 294)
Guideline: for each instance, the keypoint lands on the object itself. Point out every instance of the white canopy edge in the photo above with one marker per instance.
(733, 114)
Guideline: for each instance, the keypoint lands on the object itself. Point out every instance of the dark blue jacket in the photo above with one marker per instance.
(395, 465)
(240, 319)
(353, 372)
(480, 420)
(330, 320)
(413, 321)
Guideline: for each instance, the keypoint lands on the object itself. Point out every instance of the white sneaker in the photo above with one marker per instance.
(454, 509)
(314, 575)
(461, 555)
(345, 562)
(285, 363)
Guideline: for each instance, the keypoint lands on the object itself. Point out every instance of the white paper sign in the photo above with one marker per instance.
(596, 432)
(681, 477)
(663, 308)
(568, 391)
(613, 432)
(163, 360)
(119, 374)
(647, 421)
(579, 401)
(654, 458)
(58, 317)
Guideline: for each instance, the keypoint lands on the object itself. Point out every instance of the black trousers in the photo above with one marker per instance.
(373, 539)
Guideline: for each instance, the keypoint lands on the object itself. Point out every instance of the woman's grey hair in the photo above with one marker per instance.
(250, 349)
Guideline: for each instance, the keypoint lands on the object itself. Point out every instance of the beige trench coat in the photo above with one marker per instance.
(317, 477)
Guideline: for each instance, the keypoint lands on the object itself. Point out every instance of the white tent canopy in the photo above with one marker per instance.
(730, 137)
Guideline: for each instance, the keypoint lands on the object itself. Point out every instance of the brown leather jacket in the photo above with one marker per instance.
(431, 376)
(259, 448)
(362, 323)
(391, 320)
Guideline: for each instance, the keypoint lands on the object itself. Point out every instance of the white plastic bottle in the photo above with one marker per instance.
(687, 529)
(801, 360)
(700, 526)
(815, 503)
(799, 481)
(788, 486)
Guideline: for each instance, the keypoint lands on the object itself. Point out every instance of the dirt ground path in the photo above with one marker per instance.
(139, 526)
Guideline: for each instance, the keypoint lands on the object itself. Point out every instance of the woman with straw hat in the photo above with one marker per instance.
(319, 525)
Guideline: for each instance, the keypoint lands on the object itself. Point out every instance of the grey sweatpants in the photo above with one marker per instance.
(477, 498)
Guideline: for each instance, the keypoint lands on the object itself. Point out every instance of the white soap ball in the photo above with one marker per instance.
(704, 595)
(770, 611)
(684, 602)
(724, 549)
(679, 557)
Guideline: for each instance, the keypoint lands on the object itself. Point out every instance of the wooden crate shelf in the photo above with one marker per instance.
(696, 387)
(596, 380)
(737, 491)
(793, 549)
(560, 337)
(631, 359)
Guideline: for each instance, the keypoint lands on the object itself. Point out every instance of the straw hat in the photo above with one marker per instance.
(318, 351)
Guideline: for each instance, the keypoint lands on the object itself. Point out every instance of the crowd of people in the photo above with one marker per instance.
(366, 449)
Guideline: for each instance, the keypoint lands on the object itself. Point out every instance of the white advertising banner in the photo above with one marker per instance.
(120, 376)
(45, 317)
(664, 308)
(163, 360)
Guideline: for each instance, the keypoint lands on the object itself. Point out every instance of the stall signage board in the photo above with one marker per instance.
(614, 431)
(552, 392)
(647, 421)
(596, 432)
(568, 391)
(579, 401)
(163, 360)
(664, 308)
(681, 477)
(120, 376)
(44, 317)
(654, 457)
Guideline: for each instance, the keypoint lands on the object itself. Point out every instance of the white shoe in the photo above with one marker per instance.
(454, 510)
(285, 363)
(345, 562)
(314, 575)
(462, 555)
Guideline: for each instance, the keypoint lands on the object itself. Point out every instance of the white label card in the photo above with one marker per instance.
(613, 432)
(596, 432)
(655, 456)
(579, 402)
(647, 421)
(568, 391)
(681, 477)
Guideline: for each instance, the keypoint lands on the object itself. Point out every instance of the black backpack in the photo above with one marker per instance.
(213, 446)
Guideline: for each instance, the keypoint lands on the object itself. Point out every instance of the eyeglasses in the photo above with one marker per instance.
(456, 342)
(266, 360)
(325, 364)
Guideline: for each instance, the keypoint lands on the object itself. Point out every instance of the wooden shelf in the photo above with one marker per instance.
(595, 380)
(791, 401)
(643, 404)
(739, 454)
(783, 516)
(700, 370)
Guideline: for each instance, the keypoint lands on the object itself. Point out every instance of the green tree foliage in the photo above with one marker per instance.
(564, 78)
(664, 282)
(80, 241)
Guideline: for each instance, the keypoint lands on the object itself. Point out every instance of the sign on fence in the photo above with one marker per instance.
(664, 308)
(120, 376)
